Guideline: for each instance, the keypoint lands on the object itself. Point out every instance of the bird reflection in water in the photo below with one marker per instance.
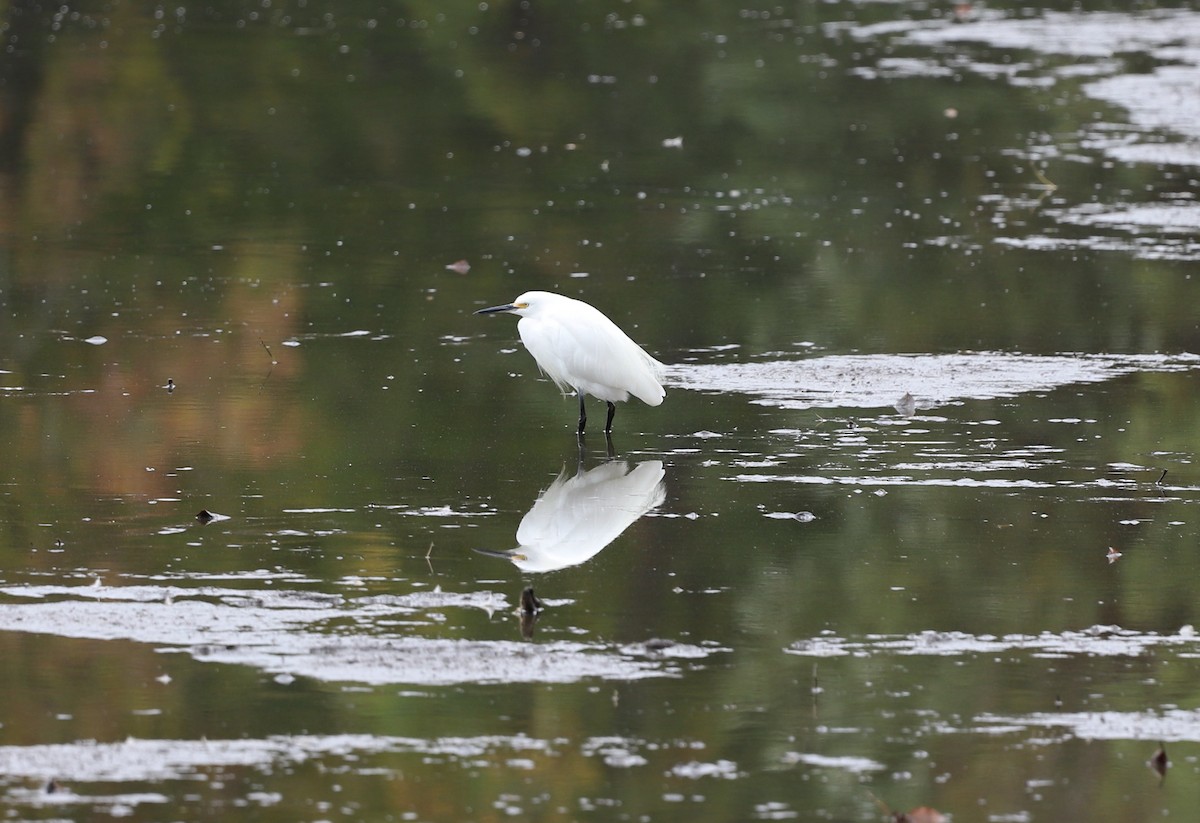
(576, 517)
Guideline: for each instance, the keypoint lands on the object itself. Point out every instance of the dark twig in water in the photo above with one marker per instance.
(1043, 179)
(274, 362)
(1161, 478)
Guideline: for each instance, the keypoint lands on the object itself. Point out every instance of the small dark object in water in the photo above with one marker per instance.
(170, 385)
(530, 611)
(1161, 478)
(530, 603)
(204, 516)
(921, 814)
(52, 786)
(1159, 761)
(658, 644)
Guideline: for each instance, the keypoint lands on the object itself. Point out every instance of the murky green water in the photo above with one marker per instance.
(789, 592)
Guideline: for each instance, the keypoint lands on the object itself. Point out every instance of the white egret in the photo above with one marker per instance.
(577, 346)
(576, 517)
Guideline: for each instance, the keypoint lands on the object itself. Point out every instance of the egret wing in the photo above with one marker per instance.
(583, 349)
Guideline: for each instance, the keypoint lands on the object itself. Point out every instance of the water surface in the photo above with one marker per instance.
(913, 528)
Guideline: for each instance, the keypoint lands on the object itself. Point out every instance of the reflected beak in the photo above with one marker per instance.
(494, 309)
(508, 554)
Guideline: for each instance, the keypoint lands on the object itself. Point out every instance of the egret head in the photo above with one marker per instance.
(524, 305)
(519, 306)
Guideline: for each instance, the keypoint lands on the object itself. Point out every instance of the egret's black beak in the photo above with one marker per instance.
(494, 309)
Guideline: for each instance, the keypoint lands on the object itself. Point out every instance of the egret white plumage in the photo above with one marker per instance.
(575, 345)
(575, 518)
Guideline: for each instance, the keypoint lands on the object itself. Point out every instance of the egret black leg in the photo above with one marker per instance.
(582, 414)
(612, 410)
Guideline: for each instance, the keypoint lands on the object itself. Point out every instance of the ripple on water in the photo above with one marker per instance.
(1097, 641)
(159, 760)
(879, 381)
(1163, 103)
(286, 632)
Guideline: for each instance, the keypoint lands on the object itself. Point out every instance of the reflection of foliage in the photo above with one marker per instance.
(233, 149)
(432, 127)
(206, 168)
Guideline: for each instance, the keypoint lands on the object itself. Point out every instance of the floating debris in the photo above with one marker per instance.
(205, 517)
(1159, 762)
(170, 387)
(921, 814)
(459, 267)
(799, 517)
(1113, 555)
(906, 405)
